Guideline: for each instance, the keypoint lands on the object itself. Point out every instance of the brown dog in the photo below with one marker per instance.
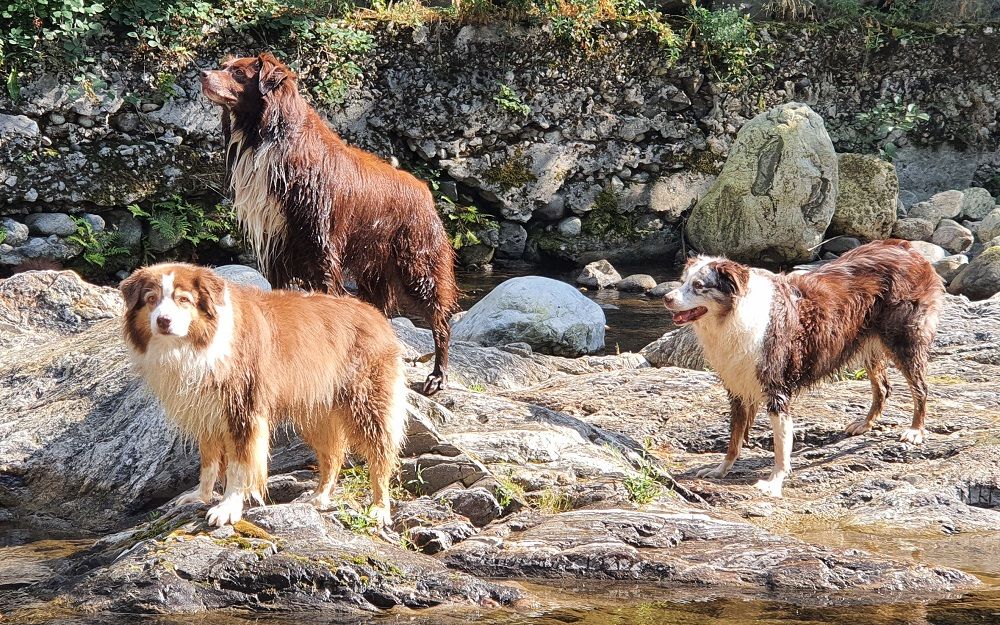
(229, 362)
(769, 336)
(313, 206)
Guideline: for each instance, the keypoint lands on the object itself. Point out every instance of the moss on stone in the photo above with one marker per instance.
(511, 173)
(247, 529)
(607, 220)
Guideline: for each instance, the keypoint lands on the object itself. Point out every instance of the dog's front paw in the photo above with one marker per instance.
(381, 516)
(858, 427)
(914, 436)
(320, 501)
(190, 498)
(229, 511)
(771, 487)
(717, 473)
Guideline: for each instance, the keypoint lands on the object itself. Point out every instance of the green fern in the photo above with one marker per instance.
(98, 247)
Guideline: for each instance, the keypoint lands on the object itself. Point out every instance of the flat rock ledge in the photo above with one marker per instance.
(671, 548)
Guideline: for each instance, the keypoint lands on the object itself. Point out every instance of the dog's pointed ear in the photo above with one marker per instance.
(272, 73)
(734, 278)
(131, 288)
(211, 289)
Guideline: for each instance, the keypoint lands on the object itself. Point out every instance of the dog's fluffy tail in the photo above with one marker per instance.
(399, 409)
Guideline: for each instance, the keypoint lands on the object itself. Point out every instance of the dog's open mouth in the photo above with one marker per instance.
(687, 316)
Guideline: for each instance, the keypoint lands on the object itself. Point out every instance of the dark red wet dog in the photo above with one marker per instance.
(312, 206)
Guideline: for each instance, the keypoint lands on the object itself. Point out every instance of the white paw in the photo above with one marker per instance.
(320, 501)
(771, 487)
(717, 473)
(858, 427)
(189, 498)
(912, 436)
(381, 516)
(229, 511)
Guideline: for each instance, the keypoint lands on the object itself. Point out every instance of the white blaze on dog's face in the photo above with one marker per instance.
(173, 309)
(710, 286)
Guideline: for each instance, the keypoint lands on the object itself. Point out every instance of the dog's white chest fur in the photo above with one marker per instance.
(259, 213)
(734, 343)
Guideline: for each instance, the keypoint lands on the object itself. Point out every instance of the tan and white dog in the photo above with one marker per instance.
(768, 335)
(229, 362)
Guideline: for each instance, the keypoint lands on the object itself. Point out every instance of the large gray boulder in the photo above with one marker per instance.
(549, 315)
(867, 197)
(777, 191)
(981, 278)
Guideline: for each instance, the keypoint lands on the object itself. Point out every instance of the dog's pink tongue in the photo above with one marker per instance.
(687, 316)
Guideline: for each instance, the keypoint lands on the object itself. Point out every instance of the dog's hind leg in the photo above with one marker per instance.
(911, 360)
(246, 473)
(212, 453)
(781, 423)
(377, 429)
(327, 440)
(878, 376)
(741, 416)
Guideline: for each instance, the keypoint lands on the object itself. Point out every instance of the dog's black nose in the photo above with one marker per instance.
(163, 322)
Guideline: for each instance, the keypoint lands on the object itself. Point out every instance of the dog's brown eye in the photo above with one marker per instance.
(150, 298)
(698, 284)
(184, 299)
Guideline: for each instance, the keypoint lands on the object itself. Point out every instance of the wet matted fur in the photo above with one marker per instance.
(312, 206)
(229, 363)
(769, 335)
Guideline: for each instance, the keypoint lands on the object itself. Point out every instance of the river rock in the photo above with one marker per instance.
(51, 223)
(676, 348)
(981, 278)
(50, 248)
(866, 197)
(512, 240)
(663, 288)
(841, 244)
(636, 283)
(599, 274)
(944, 205)
(18, 125)
(977, 202)
(15, 232)
(241, 274)
(96, 222)
(989, 227)
(570, 227)
(549, 315)
(950, 266)
(776, 194)
(953, 236)
(933, 253)
(913, 229)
